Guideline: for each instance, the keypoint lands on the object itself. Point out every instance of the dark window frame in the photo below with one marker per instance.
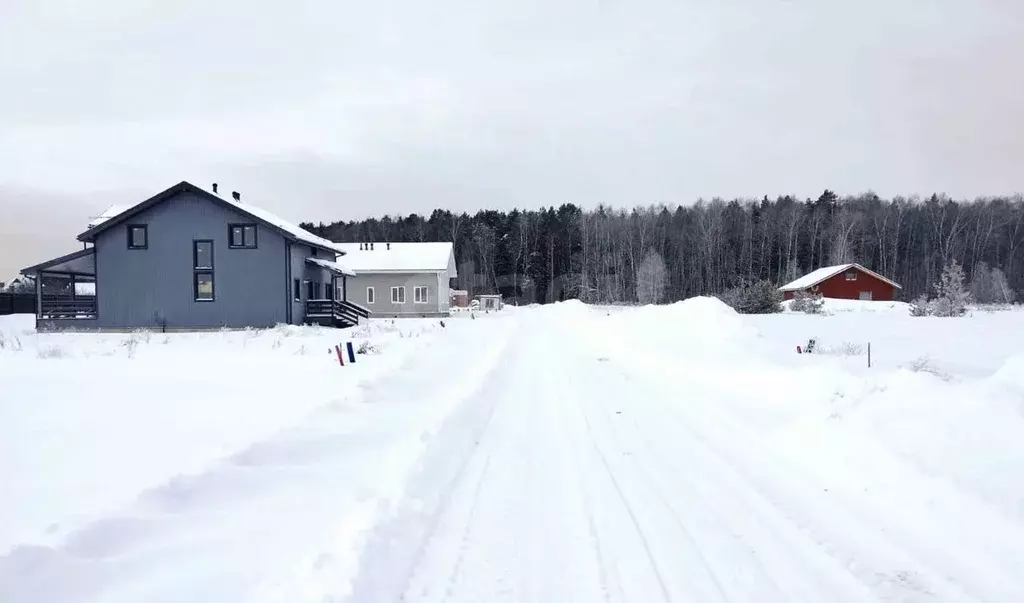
(254, 244)
(195, 286)
(198, 271)
(371, 295)
(309, 289)
(195, 254)
(851, 275)
(297, 289)
(145, 230)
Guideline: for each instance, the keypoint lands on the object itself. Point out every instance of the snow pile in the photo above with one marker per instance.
(699, 328)
(834, 306)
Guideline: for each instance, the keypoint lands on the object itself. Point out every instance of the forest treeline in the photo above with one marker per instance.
(665, 253)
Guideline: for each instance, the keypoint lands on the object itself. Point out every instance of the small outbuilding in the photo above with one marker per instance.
(489, 302)
(845, 281)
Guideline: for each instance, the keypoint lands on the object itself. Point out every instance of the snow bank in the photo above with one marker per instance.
(702, 329)
(88, 421)
(835, 306)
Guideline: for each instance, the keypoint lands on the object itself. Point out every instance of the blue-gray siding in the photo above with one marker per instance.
(154, 286)
(304, 271)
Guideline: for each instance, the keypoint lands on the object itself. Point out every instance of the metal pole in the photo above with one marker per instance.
(869, 354)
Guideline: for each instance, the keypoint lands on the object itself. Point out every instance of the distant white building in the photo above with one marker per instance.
(18, 283)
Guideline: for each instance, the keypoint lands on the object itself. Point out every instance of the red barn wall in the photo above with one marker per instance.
(839, 288)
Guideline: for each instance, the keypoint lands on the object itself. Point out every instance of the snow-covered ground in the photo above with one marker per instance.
(559, 453)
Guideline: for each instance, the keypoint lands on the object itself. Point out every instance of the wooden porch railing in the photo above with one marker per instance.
(335, 309)
(66, 306)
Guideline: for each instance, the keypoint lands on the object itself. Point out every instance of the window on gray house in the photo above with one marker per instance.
(242, 236)
(202, 270)
(202, 255)
(138, 236)
(297, 289)
(204, 286)
(370, 296)
(309, 290)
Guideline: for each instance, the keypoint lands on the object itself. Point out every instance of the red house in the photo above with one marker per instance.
(847, 281)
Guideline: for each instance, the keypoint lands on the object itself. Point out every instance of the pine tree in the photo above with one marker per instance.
(951, 295)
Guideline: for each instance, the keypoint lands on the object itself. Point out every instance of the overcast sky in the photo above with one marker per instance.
(331, 109)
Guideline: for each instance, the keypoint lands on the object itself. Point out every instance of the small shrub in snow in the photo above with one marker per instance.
(847, 348)
(368, 348)
(921, 306)
(50, 352)
(277, 344)
(924, 365)
(808, 303)
(130, 344)
(758, 297)
(10, 342)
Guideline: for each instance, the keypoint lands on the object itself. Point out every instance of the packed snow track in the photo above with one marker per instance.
(585, 455)
(583, 471)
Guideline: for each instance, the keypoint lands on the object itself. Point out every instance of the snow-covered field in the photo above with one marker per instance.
(559, 453)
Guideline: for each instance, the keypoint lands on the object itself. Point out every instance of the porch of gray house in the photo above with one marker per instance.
(66, 289)
(334, 310)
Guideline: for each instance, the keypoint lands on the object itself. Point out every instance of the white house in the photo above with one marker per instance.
(400, 279)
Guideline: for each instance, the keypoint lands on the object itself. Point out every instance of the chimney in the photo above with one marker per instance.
(215, 189)
(237, 196)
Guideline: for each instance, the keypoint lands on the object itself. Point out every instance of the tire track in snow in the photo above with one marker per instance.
(629, 510)
(651, 484)
(378, 578)
(760, 493)
(464, 544)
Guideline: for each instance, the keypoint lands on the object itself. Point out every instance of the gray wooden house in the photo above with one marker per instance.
(189, 258)
(401, 279)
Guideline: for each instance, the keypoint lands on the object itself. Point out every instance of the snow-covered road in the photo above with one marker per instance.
(572, 477)
(576, 454)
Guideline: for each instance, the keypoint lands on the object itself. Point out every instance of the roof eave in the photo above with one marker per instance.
(81, 253)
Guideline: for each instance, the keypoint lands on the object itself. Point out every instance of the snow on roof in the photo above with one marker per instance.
(401, 257)
(293, 229)
(332, 266)
(107, 214)
(813, 278)
(117, 212)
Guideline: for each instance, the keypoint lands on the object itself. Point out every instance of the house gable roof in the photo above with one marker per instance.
(400, 257)
(822, 274)
(264, 217)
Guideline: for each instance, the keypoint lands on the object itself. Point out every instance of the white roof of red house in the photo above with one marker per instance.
(813, 278)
